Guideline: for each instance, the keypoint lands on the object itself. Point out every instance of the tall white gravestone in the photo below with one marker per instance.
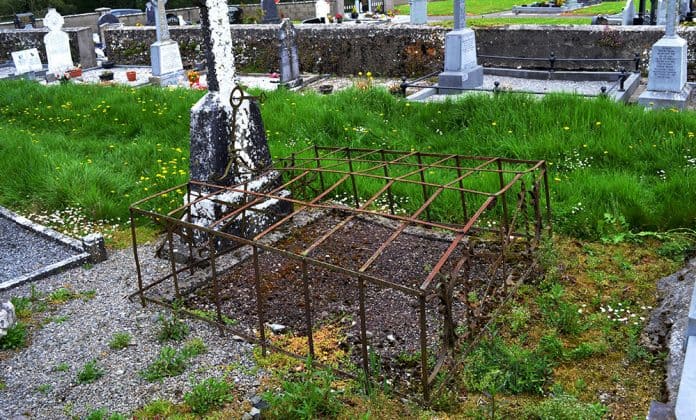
(164, 54)
(461, 67)
(667, 85)
(57, 44)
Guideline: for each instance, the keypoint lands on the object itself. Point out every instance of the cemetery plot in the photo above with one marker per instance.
(363, 252)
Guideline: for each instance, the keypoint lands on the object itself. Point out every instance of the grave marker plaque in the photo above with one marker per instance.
(26, 61)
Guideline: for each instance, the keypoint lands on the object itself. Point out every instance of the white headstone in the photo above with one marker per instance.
(628, 13)
(419, 12)
(667, 73)
(57, 44)
(26, 61)
(322, 8)
(164, 54)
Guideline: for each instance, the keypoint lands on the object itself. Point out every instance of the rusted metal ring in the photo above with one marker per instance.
(237, 97)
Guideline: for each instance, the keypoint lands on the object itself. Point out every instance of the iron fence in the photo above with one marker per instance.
(407, 253)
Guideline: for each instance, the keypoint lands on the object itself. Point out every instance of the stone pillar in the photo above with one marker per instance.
(419, 12)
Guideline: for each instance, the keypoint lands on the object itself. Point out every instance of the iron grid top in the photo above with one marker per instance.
(324, 171)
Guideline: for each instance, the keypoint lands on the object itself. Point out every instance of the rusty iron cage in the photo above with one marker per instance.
(444, 239)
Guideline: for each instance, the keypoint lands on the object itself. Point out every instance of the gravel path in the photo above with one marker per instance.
(23, 251)
(80, 330)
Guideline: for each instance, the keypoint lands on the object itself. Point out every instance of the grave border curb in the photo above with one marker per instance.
(51, 235)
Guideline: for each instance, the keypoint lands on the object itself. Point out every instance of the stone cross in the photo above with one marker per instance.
(459, 14)
(217, 38)
(57, 43)
(671, 23)
(161, 20)
(228, 140)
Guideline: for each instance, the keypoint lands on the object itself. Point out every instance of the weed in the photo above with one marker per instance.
(212, 316)
(169, 363)
(15, 338)
(585, 350)
(210, 394)
(193, 348)
(22, 307)
(120, 340)
(172, 328)
(88, 294)
(558, 313)
(3, 385)
(155, 410)
(103, 414)
(519, 315)
(520, 370)
(44, 388)
(61, 295)
(89, 373)
(61, 367)
(564, 407)
(307, 396)
(551, 346)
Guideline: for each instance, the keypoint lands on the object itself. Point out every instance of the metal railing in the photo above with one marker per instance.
(438, 278)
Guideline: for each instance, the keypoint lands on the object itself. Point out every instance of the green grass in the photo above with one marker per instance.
(89, 373)
(604, 157)
(473, 7)
(120, 340)
(475, 22)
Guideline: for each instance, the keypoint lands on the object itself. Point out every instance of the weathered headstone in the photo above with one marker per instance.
(228, 140)
(26, 61)
(289, 59)
(150, 12)
(270, 12)
(419, 12)
(667, 85)
(322, 8)
(164, 54)
(57, 44)
(462, 70)
(7, 317)
(628, 13)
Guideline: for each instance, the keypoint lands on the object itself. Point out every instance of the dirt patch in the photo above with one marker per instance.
(391, 315)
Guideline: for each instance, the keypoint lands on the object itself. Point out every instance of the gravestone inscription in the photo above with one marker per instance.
(26, 61)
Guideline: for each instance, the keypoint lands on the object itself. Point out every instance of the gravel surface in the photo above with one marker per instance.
(23, 251)
(80, 330)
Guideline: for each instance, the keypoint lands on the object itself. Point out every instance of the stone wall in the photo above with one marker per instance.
(191, 14)
(409, 50)
(81, 44)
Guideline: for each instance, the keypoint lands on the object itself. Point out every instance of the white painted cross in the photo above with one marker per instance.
(671, 23)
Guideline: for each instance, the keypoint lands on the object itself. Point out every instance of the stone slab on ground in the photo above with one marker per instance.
(29, 251)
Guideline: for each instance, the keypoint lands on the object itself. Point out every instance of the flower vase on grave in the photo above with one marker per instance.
(131, 76)
(76, 72)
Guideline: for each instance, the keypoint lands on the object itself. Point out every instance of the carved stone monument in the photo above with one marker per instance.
(289, 60)
(270, 12)
(26, 61)
(667, 85)
(461, 67)
(228, 140)
(164, 54)
(57, 44)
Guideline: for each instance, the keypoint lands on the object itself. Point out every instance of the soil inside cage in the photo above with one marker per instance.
(391, 315)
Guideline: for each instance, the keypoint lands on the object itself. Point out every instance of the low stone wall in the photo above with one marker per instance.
(384, 50)
(81, 44)
(397, 50)
(191, 14)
